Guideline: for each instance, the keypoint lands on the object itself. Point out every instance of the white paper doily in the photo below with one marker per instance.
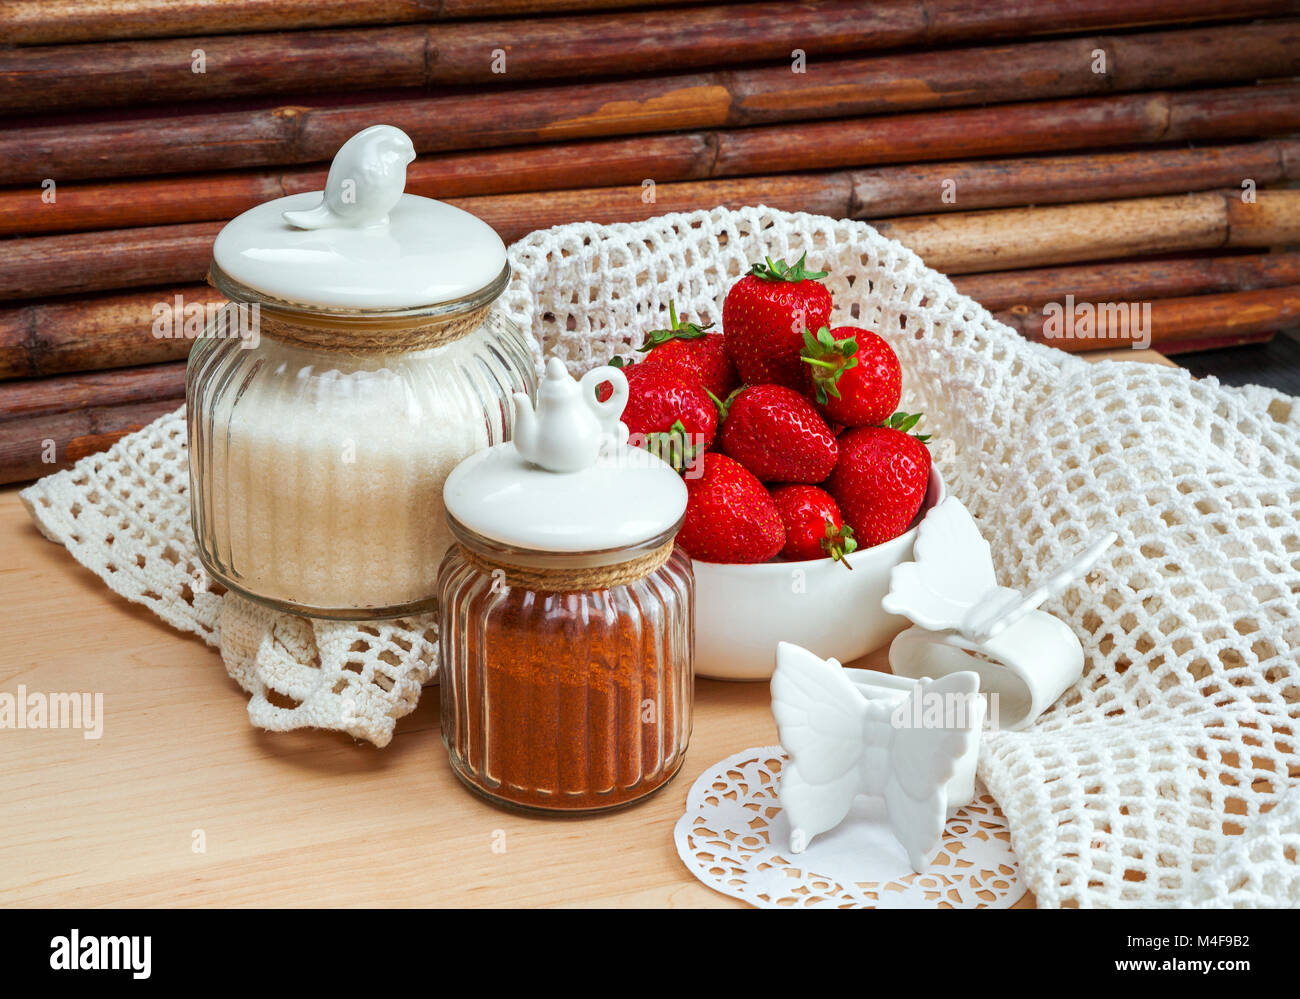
(734, 833)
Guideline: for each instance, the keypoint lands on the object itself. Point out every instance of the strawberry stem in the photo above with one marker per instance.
(724, 405)
(672, 447)
(839, 542)
(676, 331)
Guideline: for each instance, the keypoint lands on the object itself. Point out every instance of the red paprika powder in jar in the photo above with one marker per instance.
(566, 639)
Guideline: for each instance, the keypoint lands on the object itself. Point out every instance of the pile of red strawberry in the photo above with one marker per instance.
(785, 427)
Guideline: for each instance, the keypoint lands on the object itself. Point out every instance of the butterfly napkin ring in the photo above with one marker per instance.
(963, 620)
(910, 744)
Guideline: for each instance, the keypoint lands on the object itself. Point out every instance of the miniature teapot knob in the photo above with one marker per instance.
(365, 182)
(566, 431)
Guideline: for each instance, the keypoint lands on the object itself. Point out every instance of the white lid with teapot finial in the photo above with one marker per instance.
(362, 244)
(568, 481)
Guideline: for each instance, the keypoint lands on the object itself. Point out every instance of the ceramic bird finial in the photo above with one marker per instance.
(365, 181)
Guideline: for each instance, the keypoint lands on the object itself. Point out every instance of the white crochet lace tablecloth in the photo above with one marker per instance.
(1166, 776)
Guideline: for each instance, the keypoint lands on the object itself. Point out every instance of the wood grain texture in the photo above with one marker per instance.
(121, 258)
(38, 22)
(1033, 127)
(27, 444)
(1200, 344)
(1196, 322)
(1005, 239)
(162, 71)
(967, 184)
(956, 241)
(106, 331)
(1136, 280)
(100, 147)
(32, 397)
(478, 53)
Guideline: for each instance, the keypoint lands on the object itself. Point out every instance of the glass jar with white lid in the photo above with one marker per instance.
(566, 613)
(360, 360)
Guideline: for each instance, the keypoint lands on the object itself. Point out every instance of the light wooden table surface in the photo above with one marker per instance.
(294, 819)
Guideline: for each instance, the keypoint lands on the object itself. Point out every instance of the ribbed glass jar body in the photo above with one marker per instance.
(316, 475)
(565, 702)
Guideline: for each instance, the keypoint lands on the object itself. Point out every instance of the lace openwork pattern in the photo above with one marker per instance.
(734, 838)
(1168, 775)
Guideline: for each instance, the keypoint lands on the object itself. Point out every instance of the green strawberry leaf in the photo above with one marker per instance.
(676, 331)
(904, 422)
(839, 542)
(829, 358)
(779, 270)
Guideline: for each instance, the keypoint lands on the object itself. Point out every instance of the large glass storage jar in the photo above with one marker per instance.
(360, 361)
(566, 636)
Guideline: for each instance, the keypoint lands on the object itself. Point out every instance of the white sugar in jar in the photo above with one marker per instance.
(360, 362)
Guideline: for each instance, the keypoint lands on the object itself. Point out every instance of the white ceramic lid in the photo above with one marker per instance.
(568, 481)
(362, 243)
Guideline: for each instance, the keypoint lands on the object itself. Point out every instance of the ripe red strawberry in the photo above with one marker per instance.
(856, 376)
(690, 349)
(814, 526)
(764, 317)
(881, 478)
(730, 517)
(778, 435)
(671, 416)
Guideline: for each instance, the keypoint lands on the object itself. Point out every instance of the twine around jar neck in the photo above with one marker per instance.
(391, 337)
(570, 580)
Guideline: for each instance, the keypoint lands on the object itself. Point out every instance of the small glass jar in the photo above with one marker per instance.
(566, 638)
(369, 363)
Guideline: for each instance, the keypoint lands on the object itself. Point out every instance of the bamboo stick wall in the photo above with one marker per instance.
(1033, 149)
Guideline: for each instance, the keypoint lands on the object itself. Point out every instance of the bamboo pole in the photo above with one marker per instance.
(480, 53)
(1005, 239)
(959, 242)
(131, 73)
(110, 331)
(1172, 348)
(66, 438)
(32, 397)
(1133, 280)
(527, 115)
(1045, 126)
(967, 185)
(43, 22)
(116, 258)
(1190, 323)
(78, 263)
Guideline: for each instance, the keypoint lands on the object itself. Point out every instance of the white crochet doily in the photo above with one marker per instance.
(733, 837)
(1165, 777)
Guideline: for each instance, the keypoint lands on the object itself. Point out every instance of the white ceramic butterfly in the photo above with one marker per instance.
(951, 586)
(844, 738)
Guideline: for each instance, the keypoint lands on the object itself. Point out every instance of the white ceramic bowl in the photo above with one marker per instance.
(743, 611)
